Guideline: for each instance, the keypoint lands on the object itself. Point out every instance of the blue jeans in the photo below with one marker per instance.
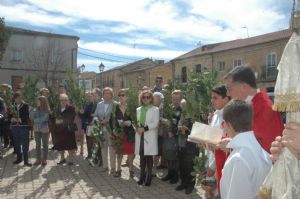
(21, 138)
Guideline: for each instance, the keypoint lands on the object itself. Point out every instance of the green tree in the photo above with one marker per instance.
(75, 92)
(30, 91)
(4, 37)
(198, 93)
(132, 103)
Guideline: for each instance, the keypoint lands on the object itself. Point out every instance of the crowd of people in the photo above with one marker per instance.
(238, 164)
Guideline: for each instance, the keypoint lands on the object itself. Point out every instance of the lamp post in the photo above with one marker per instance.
(101, 69)
(82, 67)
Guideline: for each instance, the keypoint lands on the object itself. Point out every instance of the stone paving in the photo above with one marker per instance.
(77, 181)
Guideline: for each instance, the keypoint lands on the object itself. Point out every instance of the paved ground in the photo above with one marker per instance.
(77, 181)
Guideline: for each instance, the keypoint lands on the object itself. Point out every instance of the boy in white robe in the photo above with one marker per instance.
(248, 164)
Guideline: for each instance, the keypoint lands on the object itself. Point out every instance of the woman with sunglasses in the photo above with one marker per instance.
(146, 135)
(124, 122)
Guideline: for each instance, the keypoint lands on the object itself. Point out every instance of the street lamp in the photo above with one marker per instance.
(82, 67)
(101, 69)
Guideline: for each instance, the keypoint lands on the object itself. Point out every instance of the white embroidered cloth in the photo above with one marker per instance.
(283, 182)
(287, 88)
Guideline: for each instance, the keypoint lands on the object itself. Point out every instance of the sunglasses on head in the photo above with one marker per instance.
(122, 95)
(146, 97)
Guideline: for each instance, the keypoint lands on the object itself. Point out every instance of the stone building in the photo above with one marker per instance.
(135, 75)
(261, 52)
(46, 56)
(88, 80)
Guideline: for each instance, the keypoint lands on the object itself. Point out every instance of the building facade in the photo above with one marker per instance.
(135, 75)
(46, 56)
(88, 80)
(262, 53)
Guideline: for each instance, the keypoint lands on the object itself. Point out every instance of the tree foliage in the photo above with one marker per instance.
(49, 59)
(197, 92)
(75, 92)
(132, 103)
(30, 91)
(4, 37)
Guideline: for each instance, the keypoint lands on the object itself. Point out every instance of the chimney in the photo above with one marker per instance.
(159, 61)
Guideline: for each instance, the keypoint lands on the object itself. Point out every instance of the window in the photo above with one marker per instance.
(220, 66)
(111, 83)
(17, 56)
(198, 68)
(271, 65)
(55, 57)
(183, 75)
(237, 62)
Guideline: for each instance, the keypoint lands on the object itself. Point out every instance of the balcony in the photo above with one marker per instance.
(267, 74)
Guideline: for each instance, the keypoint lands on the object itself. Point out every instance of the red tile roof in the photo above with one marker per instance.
(228, 45)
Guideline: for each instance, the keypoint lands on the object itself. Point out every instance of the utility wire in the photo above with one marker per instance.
(107, 54)
(106, 59)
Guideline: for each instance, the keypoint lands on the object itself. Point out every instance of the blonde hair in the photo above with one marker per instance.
(44, 104)
(44, 90)
(141, 95)
(109, 90)
(177, 92)
(63, 96)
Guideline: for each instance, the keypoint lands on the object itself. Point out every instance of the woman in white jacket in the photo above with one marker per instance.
(146, 135)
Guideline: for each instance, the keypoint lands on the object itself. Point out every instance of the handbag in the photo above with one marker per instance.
(89, 130)
(131, 135)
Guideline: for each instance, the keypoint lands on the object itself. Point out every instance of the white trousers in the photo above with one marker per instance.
(108, 155)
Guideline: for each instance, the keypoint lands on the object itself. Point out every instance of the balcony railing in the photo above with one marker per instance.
(267, 74)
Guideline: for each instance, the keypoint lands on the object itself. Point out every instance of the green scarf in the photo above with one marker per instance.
(144, 110)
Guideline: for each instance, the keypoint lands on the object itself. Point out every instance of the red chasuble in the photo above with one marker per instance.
(267, 124)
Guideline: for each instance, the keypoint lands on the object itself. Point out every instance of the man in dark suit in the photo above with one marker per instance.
(20, 129)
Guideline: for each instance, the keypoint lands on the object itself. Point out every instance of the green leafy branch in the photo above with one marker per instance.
(75, 92)
(30, 91)
(199, 166)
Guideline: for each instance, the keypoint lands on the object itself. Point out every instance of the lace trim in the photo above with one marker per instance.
(287, 102)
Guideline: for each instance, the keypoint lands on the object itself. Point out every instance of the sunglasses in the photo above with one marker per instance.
(122, 95)
(158, 81)
(146, 97)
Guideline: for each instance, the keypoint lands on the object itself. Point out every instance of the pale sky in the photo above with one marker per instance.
(122, 31)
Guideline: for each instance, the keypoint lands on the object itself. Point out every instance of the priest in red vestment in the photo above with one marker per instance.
(267, 124)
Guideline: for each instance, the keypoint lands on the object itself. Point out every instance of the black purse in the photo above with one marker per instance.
(131, 135)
